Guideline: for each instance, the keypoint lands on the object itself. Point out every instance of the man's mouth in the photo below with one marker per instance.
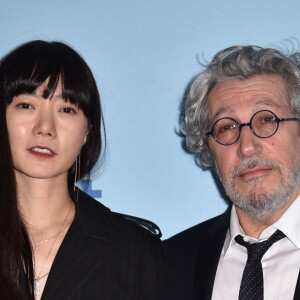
(255, 172)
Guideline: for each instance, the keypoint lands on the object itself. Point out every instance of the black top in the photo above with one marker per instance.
(104, 256)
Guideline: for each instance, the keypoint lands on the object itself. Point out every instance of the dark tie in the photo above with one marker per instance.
(252, 285)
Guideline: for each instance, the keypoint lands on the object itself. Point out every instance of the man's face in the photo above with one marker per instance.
(261, 176)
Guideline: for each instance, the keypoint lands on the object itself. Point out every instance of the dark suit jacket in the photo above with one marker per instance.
(104, 256)
(192, 259)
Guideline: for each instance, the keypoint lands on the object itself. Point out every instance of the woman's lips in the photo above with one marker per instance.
(255, 172)
(42, 152)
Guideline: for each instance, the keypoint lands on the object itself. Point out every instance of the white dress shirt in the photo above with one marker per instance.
(281, 263)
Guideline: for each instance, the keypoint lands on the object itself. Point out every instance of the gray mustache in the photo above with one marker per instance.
(252, 162)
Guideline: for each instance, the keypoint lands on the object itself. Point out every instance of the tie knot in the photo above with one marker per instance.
(257, 250)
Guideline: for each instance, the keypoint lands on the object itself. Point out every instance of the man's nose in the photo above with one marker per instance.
(249, 143)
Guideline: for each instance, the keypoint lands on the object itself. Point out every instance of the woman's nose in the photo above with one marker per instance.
(45, 124)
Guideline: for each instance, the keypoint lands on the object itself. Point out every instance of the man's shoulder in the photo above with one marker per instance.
(200, 232)
(182, 253)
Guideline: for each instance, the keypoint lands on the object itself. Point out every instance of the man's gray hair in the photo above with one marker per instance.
(237, 62)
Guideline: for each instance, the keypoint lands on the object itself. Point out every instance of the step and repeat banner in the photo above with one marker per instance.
(143, 55)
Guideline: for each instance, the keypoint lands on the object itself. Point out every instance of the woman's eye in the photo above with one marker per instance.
(68, 110)
(24, 105)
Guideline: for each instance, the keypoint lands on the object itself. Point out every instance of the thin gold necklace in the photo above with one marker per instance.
(50, 238)
(37, 281)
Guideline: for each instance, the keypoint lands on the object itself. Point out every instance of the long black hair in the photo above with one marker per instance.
(22, 71)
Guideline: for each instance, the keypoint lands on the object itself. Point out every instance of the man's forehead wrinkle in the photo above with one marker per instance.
(266, 102)
(240, 94)
(226, 111)
(222, 110)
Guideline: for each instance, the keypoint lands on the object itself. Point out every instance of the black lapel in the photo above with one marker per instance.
(67, 271)
(297, 291)
(80, 244)
(23, 284)
(208, 258)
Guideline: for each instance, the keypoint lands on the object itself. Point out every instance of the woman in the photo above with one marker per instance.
(55, 241)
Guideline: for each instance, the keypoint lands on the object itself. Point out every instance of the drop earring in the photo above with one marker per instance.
(75, 179)
(77, 171)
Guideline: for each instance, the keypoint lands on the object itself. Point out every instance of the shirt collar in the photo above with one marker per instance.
(288, 223)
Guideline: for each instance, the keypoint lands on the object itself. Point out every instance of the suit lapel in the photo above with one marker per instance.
(66, 272)
(86, 241)
(208, 258)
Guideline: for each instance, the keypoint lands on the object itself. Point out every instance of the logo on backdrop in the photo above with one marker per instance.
(87, 184)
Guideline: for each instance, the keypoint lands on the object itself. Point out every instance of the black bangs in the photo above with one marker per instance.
(33, 64)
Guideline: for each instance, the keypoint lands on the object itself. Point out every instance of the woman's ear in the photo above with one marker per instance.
(85, 137)
(87, 133)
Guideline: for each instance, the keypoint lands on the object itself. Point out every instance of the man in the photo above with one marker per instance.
(242, 119)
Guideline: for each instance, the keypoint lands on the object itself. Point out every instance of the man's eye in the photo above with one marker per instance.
(227, 127)
(268, 120)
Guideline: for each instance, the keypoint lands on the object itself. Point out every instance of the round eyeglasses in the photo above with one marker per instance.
(264, 123)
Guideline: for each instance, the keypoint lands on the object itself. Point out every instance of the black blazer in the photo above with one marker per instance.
(104, 256)
(192, 259)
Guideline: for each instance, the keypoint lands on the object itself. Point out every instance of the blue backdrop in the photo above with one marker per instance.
(143, 54)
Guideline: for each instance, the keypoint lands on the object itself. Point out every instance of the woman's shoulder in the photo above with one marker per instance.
(96, 217)
(129, 248)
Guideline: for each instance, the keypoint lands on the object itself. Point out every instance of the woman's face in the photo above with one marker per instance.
(46, 135)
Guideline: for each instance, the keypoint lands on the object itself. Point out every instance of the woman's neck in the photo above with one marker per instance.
(43, 202)
(47, 211)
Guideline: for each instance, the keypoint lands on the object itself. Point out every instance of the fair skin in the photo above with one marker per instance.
(46, 136)
(240, 100)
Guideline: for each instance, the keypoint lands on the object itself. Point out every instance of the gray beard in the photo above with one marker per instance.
(261, 206)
